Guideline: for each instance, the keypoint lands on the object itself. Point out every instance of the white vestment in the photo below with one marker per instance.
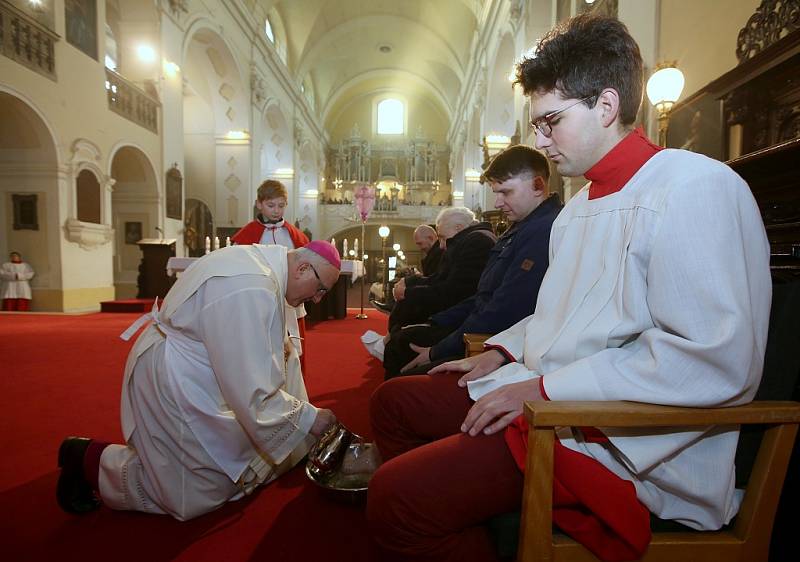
(15, 278)
(209, 408)
(277, 235)
(659, 293)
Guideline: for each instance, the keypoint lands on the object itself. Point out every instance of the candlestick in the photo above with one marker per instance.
(355, 246)
(227, 241)
(208, 244)
(344, 247)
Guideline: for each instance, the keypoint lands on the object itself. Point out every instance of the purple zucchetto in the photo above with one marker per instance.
(327, 250)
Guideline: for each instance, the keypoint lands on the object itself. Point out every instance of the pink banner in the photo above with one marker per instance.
(365, 200)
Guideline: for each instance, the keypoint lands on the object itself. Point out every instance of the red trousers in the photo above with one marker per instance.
(17, 304)
(437, 487)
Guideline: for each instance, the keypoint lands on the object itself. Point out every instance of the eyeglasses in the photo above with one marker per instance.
(544, 124)
(322, 289)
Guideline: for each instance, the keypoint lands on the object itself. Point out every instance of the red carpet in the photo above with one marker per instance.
(61, 376)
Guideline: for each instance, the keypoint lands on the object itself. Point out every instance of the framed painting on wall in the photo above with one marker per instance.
(26, 213)
(174, 193)
(81, 25)
(696, 125)
(133, 232)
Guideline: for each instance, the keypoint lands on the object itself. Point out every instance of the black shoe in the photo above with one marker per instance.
(73, 491)
(383, 307)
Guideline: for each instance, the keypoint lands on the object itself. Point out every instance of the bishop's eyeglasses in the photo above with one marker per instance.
(322, 289)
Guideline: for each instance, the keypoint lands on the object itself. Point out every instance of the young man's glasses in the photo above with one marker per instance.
(322, 289)
(545, 124)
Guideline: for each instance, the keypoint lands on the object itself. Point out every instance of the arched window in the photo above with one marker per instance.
(87, 189)
(268, 30)
(111, 58)
(391, 117)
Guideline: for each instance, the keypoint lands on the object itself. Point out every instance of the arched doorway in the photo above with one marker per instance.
(29, 197)
(134, 211)
(374, 247)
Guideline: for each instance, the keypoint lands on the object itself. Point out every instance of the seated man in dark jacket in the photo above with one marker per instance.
(426, 239)
(510, 282)
(467, 244)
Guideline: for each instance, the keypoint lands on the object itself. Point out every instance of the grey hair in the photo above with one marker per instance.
(456, 215)
(306, 255)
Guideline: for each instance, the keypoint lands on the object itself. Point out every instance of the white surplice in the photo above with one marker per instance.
(659, 293)
(209, 408)
(16, 277)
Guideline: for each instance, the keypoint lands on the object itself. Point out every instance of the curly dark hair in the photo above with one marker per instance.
(582, 57)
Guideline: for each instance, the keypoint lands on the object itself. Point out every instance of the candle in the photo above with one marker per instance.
(216, 242)
(344, 247)
(208, 244)
(227, 241)
(355, 246)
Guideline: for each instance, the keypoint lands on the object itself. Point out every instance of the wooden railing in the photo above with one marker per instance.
(127, 100)
(26, 41)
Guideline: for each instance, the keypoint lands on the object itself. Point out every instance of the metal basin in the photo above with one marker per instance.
(341, 464)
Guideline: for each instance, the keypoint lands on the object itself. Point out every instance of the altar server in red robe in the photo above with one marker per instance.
(270, 227)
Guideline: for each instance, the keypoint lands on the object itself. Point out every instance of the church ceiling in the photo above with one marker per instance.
(350, 49)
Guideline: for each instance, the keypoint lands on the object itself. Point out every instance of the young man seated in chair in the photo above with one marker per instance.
(658, 291)
(510, 281)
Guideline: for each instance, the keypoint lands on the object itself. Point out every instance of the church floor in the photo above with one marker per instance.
(61, 375)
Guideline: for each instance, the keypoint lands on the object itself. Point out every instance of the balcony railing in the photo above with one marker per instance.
(127, 100)
(26, 41)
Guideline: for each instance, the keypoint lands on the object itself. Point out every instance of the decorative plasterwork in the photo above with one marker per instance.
(84, 150)
(515, 13)
(232, 182)
(178, 6)
(299, 133)
(88, 235)
(258, 86)
(227, 91)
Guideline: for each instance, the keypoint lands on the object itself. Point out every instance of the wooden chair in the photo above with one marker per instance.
(747, 538)
(473, 343)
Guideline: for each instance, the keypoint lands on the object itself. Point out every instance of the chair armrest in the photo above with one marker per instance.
(634, 414)
(474, 343)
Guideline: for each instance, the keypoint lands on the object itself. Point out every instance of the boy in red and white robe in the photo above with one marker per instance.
(269, 227)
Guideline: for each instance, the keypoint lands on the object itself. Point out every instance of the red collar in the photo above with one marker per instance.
(614, 169)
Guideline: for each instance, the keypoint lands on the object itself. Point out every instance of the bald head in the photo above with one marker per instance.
(424, 237)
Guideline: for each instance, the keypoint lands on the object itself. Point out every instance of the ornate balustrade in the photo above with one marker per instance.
(26, 41)
(335, 218)
(129, 101)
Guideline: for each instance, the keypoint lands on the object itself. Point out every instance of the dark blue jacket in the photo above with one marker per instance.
(509, 284)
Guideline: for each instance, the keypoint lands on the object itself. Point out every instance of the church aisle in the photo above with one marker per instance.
(61, 376)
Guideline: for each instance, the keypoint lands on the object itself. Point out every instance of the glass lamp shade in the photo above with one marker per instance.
(395, 247)
(383, 231)
(665, 86)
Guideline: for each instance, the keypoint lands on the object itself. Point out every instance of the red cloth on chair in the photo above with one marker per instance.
(591, 504)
